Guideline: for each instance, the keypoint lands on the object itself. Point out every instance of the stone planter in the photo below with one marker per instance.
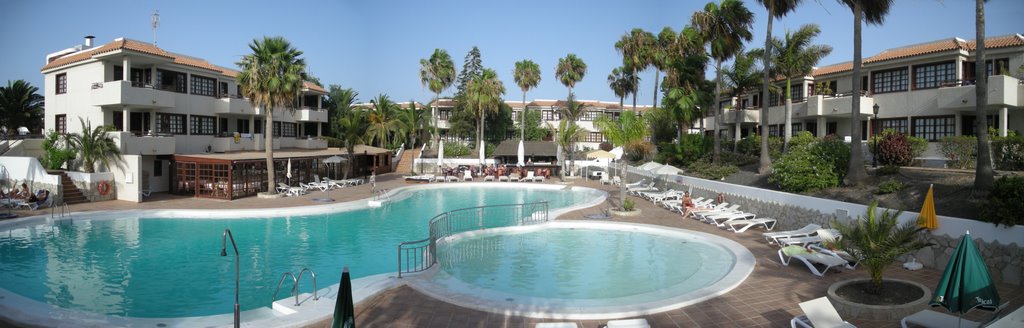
(851, 310)
(634, 212)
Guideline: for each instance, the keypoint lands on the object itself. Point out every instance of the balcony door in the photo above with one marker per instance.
(139, 123)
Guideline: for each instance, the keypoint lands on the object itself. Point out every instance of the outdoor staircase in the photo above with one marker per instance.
(70, 193)
(405, 163)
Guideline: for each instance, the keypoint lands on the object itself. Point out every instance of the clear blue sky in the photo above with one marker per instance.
(375, 46)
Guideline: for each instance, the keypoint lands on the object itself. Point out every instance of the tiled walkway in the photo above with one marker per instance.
(768, 298)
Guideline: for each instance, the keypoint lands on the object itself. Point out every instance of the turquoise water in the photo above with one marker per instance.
(162, 267)
(581, 264)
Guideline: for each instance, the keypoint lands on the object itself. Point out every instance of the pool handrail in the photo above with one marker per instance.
(420, 255)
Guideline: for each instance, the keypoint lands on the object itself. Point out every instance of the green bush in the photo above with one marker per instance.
(689, 149)
(801, 170)
(730, 158)
(454, 149)
(704, 169)
(1008, 153)
(1005, 202)
(752, 146)
(888, 170)
(889, 186)
(628, 205)
(917, 146)
(961, 151)
(832, 149)
(55, 151)
(894, 149)
(804, 138)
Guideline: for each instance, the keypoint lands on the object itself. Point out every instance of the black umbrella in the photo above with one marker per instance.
(344, 309)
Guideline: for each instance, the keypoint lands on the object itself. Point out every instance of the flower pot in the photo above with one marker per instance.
(851, 309)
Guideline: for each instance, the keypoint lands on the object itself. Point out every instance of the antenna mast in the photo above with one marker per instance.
(155, 23)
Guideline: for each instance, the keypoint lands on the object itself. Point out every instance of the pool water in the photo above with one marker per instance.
(580, 265)
(171, 267)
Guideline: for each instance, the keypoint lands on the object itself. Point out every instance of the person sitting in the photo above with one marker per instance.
(687, 201)
(40, 197)
(24, 193)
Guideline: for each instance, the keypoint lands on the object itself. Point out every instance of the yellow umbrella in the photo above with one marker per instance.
(927, 218)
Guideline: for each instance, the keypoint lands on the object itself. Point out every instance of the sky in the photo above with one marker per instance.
(375, 47)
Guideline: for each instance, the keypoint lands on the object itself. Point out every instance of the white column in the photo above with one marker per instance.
(319, 129)
(152, 71)
(152, 120)
(1003, 121)
(822, 126)
(126, 68)
(126, 119)
(319, 102)
(957, 122)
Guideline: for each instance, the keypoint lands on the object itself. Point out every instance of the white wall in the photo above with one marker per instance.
(130, 169)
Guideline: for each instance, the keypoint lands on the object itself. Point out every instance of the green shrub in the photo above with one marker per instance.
(804, 138)
(889, 186)
(1008, 153)
(960, 150)
(832, 149)
(704, 169)
(689, 149)
(455, 149)
(752, 146)
(628, 205)
(1005, 202)
(55, 151)
(917, 146)
(894, 149)
(730, 158)
(888, 170)
(801, 170)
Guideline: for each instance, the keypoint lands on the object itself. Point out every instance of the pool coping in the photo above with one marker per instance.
(27, 312)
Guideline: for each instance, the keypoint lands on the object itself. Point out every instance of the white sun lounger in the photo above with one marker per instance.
(933, 319)
(451, 178)
(489, 178)
(788, 253)
(529, 177)
(819, 313)
(467, 176)
(743, 225)
(821, 235)
(557, 325)
(628, 323)
(807, 230)
(703, 215)
(720, 219)
(503, 178)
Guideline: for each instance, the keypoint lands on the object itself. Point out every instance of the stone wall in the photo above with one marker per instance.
(1005, 260)
(35, 186)
(91, 190)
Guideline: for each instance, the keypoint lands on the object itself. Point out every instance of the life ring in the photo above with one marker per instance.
(238, 137)
(103, 188)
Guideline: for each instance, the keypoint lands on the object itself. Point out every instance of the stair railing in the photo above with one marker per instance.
(295, 285)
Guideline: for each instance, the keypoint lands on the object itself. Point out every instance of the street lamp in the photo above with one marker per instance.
(874, 135)
(224, 252)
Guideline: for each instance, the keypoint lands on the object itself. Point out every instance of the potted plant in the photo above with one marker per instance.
(878, 240)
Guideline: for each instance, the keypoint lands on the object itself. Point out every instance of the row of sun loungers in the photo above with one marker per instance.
(467, 176)
(322, 185)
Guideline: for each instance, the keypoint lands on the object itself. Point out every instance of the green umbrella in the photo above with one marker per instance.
(965, 283)
(344, 311)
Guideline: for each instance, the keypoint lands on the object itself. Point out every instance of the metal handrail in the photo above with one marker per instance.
(295, 285)
(420, 255)
(64, 210)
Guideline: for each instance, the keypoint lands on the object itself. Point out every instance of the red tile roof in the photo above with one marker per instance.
(312, 86)
(1004, 41)
(837, 68)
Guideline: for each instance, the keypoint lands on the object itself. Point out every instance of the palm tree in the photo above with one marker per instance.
(628, 132)
(795, 56)
(570, 70)
(527, 76)
(635, 48)
(566, 134)
(437, 74)
(20, 105)
(984, 176)
(339, 102)
(484, 93)
(724, 27)
(662, 48)
(776, 9)
(743, 76)
(621, 82)
(871, 12)
(416, 122)
(384, 120)
(93, 145)
(271, 77)
(878, 241)
(352, 130)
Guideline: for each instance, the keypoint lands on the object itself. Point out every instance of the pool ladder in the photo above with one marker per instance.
(64, 210)
(295, 285)
(381, 194)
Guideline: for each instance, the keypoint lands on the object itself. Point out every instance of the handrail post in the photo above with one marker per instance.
(223, 252)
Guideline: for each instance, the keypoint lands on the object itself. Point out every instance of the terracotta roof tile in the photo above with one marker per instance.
(312, 86)
(197, 63)
(918, 49)
(1004, 41)
(837, 68)
(118, 44)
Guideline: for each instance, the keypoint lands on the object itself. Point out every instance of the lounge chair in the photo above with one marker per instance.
(538, 178)
(503, 178)
(467, 176)
(628, 323)
(638, 189)
(851, 261)
(529, 177)
(636, 184)
(723, 208)
(807, 230)
(819, 313)
(605, 180)
(811, 259)
(282, 187)
(743, 225)
(654, 193)
(489, 178)
(721, 219)
(930, 319)
(557, 325)
(616, 181)
(48, 202)
(821, 235)
(451, 178)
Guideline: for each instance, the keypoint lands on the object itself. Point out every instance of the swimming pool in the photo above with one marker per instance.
(158, 264)
(584, 269)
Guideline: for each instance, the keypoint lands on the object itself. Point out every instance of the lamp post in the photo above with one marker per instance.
(874, 135)
(224, 252)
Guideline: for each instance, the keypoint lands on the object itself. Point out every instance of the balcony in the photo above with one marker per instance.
(745, 116)
(838, 105)
(127, 93)
(311, 143)
(307, 114)
(245, 142)
(233, 105)
(1003, 91)
(130, 144)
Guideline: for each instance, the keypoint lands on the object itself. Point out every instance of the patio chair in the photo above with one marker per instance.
(616, 181)
(819, 313)
(48, 202)
(538, 178)
(929, 318)
(451, 178)
(807, 230)
(529, 177)
(821, 235)
(721, 209)
(654, 193)
(637, 189)
(851, 261)
(282, 187)
(743, 225)
(489, 178)
(720, 220)
(628, 323)
(467, 176)
(605, 180)
(503, 178)
(811, 259)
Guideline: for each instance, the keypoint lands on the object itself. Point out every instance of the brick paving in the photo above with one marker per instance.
(769, 297)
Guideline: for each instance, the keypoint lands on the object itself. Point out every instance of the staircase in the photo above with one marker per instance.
(70, 193)
(405, 163)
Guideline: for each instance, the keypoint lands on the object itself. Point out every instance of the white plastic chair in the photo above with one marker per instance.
(819, 313)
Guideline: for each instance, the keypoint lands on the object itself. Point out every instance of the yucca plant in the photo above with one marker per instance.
(878, 240)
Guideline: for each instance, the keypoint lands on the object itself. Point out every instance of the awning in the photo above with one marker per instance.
(510, 148)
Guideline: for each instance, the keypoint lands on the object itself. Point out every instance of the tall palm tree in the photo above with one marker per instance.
(339, 102)
(635, 48)
(984, 176)
(724, 27)
(484, 93)
(527, 76)
(621, 82)
(795, 56)
(384, 120)
(742, 77)
(776, 9)
(628, 132)
(871, 12)
(663, 46)
(20, 105)
(93, 145)
(437, 73)
(352, 130)
(271, 77)
(570, 70)
(416, 122)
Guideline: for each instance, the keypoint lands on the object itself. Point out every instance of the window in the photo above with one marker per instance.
(551, 115)
(934, 128)
(204, 86)
(288, 129)
(589, 115)
(444, 114)
(62, 83)
(831, 128)
(61, 122)
(968, 121)
(224, 90)
(242, 125)
(895, 124)
(934, 75)
(158, 168)
(773, 130)
(238, 91)
(594, 137)
(1002, 66)
(778, 99)
(812, 127)
(170, 81)
(223, 126)
(203, 125)
(140, 77)
(277, 129)
(797, 128)
(889, 81)
(170, 123)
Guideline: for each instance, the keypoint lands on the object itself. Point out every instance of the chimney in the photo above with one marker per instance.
(88, 41)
